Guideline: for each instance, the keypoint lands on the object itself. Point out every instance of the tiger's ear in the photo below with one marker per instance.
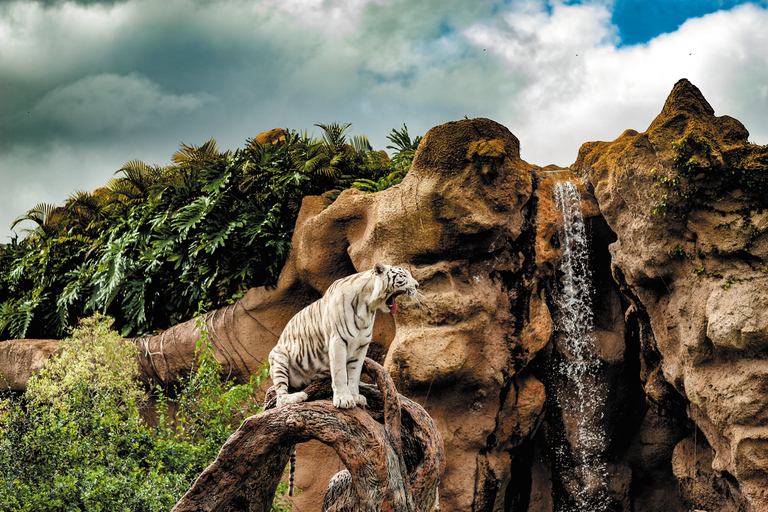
(379, 268)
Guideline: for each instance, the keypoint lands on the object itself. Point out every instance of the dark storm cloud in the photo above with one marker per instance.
(86, 86)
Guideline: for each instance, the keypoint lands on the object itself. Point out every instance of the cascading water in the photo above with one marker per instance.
(578, 391)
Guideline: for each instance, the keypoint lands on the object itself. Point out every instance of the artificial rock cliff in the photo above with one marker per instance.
(679, 291)
(690, 257)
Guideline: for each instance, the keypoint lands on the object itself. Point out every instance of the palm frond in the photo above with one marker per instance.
(401, 139)
(191, 154)
(142, 176)
(48, 217)
(334, 134)
(361, 144)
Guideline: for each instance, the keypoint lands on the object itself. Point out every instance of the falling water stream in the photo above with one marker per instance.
(579, 392)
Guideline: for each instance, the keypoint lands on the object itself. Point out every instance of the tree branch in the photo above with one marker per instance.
(382, 474)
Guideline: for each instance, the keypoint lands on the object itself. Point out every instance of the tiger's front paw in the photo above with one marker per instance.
(293, 398)
(343, 401)
(360, 400)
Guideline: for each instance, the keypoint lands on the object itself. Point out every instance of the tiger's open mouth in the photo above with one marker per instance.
(391, 303)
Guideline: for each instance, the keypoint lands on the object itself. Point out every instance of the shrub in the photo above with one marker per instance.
(75, 440)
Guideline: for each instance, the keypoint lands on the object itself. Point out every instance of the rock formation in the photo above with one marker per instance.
(457, 223)
(686, 200)
(676, 217)
(20, 359)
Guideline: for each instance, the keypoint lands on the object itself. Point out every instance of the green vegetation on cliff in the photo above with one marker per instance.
(156, 241)
(700, 179)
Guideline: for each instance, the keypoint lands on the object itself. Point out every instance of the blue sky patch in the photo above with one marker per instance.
(639, 21)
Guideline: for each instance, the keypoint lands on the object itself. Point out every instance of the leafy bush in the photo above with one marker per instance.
(76, 440)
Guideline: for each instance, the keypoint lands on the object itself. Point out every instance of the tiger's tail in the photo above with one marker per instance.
(292, 472)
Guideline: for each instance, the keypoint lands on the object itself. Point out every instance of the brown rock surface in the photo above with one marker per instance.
(455, 223)
(693, 268)
(20, 359)
(271, 137)
(459, 223)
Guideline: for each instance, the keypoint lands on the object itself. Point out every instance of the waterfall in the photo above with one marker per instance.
(578, 391)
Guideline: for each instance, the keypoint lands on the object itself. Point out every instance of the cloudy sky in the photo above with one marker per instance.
(86, 86)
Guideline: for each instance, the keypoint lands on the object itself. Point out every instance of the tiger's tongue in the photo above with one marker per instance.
(393, 307)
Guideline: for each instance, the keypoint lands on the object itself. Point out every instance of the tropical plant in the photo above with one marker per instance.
(331, 156)
(84, 212)
(404, 148)
(49, 219)
(157, 240)
(33, 274)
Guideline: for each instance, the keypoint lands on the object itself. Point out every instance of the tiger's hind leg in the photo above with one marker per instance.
(279, 359)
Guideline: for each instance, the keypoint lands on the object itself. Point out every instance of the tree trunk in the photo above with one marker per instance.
(391, 466)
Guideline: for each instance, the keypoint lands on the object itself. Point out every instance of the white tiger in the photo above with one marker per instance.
(332, 335)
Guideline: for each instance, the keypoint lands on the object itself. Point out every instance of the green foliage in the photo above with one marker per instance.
(404, 151)
(680, 252)
(370, 186)
(156, 241)
(31, 274)
(76, 441)
(404, 148)
(92, 360)
(699, 178)
(701, 271)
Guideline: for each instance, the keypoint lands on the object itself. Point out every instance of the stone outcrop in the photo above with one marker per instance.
(684, 200)
(273, 136)
(460, 222)
(677, 217)
(20, 359)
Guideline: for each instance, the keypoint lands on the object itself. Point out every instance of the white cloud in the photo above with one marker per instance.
(37, 43)
(333, 18)
(580, 86)
(113, 102)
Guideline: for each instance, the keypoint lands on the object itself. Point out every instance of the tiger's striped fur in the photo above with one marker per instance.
(331, 335)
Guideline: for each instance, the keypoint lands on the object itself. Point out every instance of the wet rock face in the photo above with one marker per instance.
(691, 254)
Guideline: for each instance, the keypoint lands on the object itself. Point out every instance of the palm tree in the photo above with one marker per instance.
(404, 147)
(329, 156)
(196, 156)
(49, 219)
(137, 181)
(190, 160)
(87, 210)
